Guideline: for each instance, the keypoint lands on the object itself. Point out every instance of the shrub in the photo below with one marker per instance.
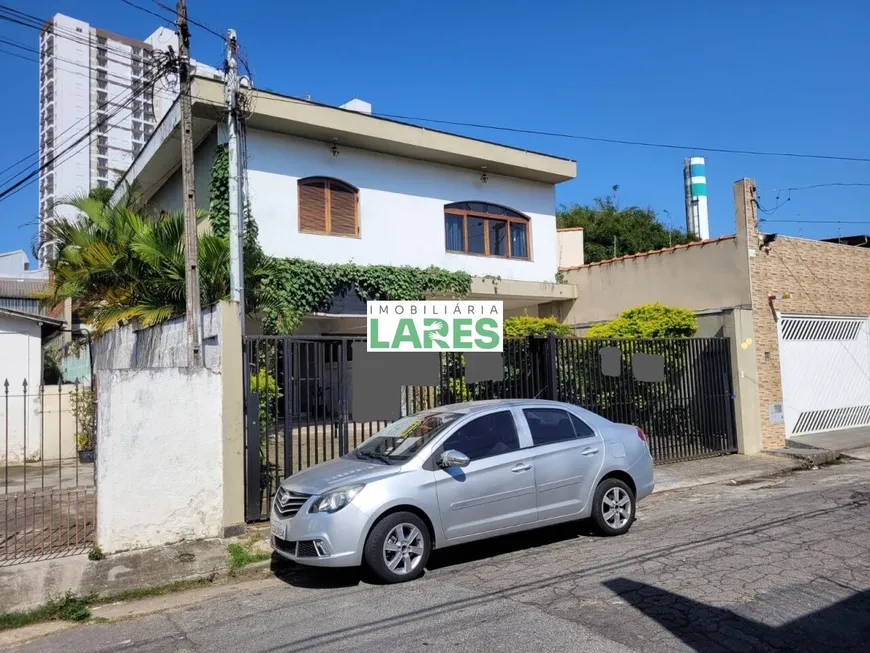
(648, 321)
(82, 400)
(526, 325)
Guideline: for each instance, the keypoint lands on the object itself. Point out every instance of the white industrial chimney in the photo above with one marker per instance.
(695, 179)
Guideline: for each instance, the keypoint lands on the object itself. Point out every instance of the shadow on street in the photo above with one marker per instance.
(842, 626)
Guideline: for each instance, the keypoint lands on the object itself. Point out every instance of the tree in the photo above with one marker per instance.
(610, 231)
(120, 263)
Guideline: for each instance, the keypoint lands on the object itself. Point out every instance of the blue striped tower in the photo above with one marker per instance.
(695, 178)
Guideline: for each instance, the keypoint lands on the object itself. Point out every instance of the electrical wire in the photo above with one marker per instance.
(136, 93)
(765, 221)
(20, 184)
(190, 20)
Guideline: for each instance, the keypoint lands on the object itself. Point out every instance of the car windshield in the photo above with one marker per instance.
(402, 439)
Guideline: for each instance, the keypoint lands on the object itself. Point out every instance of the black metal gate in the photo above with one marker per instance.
(300, 389)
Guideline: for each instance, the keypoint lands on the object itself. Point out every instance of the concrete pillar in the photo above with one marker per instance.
(233, 418)
(738, 326)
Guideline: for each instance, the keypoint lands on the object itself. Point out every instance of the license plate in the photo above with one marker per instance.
(279, 529)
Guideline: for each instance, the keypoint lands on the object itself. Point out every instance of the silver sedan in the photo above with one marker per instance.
(461, 473)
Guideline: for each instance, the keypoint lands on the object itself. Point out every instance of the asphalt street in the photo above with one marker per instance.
(778, 565)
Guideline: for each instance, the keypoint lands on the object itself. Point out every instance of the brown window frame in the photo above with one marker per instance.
(327, 183)
(486, 217)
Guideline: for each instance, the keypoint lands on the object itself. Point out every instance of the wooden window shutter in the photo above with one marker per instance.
(312, 206)
(342, 205)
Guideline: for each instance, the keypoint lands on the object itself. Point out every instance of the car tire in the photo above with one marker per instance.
(403, 535)
(610, 495)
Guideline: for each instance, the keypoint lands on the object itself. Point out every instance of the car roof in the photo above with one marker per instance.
(483, 404)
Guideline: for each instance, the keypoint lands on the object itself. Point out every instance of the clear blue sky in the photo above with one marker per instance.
(776, 75)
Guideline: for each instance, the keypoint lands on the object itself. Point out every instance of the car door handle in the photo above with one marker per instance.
(521, 467)
(588, 451)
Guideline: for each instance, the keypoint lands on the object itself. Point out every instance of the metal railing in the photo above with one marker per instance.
(299, 401)
(47, 489)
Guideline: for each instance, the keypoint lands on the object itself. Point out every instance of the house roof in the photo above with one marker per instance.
(347, 128)
(858, 240)
(13, 287)
(699, 243)
(31, 316)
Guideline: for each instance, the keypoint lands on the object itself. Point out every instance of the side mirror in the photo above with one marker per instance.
(453, 458)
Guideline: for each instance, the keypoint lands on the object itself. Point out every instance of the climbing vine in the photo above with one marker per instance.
(293, 288)
(285, 290)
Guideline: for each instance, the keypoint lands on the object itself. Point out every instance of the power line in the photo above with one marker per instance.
(597, 139)
(32, 175)
(617, 141)
(764, 220)
(190, 20)
(20, 56)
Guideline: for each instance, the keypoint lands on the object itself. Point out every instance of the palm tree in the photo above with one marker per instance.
(122, 263)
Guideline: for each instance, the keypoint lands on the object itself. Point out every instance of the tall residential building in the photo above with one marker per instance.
(90, 77)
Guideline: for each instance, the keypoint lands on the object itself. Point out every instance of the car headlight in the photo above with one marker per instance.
(335, 500)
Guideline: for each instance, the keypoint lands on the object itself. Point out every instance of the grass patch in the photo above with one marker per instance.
(72, 607)
(69, 607)
(150, 592)
(242, 556)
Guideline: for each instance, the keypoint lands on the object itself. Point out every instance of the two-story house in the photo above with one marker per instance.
(337, 184)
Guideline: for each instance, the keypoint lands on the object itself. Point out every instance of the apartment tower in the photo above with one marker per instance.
(94, 79)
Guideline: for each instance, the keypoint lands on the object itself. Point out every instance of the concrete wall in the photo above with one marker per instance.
(701, 277)
(821, 279)
(162, 346)
(20, 361)
(169, 196)
(159, 471)
(401, 208)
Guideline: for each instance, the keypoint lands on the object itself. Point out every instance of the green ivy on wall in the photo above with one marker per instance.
(285, 290)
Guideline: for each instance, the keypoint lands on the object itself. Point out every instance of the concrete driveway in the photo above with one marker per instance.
(780, 565)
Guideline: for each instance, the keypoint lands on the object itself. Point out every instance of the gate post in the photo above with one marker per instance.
(552, 377)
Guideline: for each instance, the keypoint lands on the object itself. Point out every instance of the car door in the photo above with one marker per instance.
(567, 454)
(496, 490)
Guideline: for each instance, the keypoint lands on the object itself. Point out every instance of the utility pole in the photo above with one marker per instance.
(236, 187)
(191, 254)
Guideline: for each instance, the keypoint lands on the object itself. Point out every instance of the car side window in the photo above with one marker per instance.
(549, 425)
(490, 435)
(582, 429)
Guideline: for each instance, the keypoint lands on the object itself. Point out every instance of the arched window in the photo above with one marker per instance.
(486, 230)
(328, 206)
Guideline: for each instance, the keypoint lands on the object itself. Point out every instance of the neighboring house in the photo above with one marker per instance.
(336, 185)
(797, 312)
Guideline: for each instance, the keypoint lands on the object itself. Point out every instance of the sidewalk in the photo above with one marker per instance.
(723, 469)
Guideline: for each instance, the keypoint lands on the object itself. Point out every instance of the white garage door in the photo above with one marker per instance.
(825, 366)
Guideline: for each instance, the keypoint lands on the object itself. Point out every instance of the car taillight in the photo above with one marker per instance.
(641, 434)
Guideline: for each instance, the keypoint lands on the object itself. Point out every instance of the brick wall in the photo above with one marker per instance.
(821, 279)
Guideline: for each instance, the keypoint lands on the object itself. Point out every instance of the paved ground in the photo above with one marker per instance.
(841, 440)
(781, 565)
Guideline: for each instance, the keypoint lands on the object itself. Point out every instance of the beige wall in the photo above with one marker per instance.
(821, 278)
(59, 422)
(232, 418)
(700, 277)
(570, 243)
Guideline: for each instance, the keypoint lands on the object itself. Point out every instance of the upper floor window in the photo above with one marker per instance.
(328, 206)
(486, 230)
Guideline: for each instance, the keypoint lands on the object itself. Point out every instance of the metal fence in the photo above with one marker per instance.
(48, 499)
(299, 401)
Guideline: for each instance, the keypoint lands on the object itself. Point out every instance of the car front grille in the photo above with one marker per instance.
(306, 549)
(287, 503)
(285, 546)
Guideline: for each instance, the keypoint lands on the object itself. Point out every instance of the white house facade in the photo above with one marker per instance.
(336, 186)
